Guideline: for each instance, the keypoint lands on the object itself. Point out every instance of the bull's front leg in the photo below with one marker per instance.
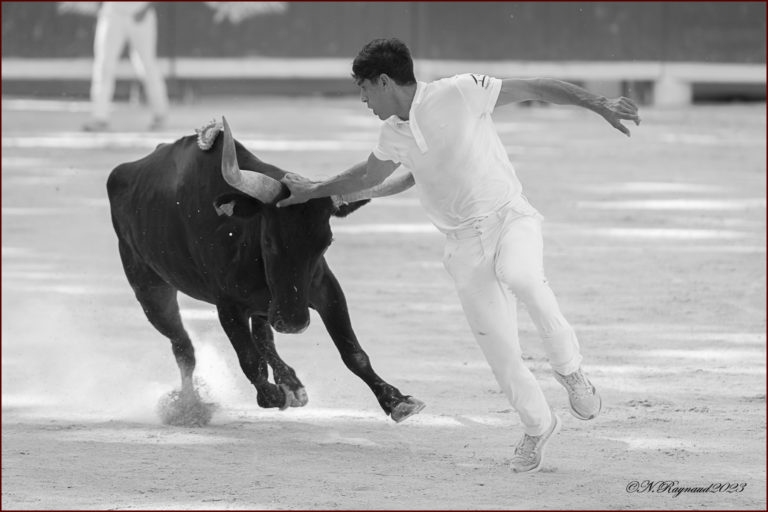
(285, 376)
(328, 300)
(252, 360)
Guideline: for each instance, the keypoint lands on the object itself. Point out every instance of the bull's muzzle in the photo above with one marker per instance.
(284, 327)
(291, 320)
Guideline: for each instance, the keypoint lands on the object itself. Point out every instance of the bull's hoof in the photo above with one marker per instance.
(185, 409)
(406, 409)
(270, 396)
(297, 398)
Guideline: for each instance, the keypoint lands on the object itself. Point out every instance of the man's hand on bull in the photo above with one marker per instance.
(301, 189)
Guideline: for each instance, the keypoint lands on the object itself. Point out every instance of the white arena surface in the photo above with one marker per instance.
(654, 244)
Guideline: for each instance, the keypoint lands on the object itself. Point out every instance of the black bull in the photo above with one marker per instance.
(259, 265)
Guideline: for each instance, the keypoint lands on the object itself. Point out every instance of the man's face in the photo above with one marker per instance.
(378, 97)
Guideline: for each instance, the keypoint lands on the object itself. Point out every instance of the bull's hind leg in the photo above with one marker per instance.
(285, 377)
(328, 299)
(158, 299)
(252, 360)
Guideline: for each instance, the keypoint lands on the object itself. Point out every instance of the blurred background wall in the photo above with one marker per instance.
(626, 35)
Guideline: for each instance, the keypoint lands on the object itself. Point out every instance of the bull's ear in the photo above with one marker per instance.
(346, 208)
(237, 205)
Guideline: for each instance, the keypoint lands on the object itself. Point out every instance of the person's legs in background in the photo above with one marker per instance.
(143, 39)
(108, 44)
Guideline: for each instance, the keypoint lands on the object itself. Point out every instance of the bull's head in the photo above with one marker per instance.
(293, 239)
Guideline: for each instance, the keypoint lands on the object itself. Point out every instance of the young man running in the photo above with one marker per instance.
(443, 133)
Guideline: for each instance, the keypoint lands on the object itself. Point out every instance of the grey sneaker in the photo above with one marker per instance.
(157, 123)
(96, 125)
(529, 452)
(585, 400)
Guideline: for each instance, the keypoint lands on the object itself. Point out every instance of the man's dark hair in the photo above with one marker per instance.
(389, 56)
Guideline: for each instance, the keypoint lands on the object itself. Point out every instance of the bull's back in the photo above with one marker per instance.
(162, 211)
(140, 189)
(157, 201)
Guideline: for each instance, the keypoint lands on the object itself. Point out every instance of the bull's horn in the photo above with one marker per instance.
(256, 185)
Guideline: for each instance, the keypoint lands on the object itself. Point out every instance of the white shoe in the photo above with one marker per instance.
(529, 452)
(584, 398)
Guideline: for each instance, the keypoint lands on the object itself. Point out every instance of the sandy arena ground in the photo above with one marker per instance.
(655, 245)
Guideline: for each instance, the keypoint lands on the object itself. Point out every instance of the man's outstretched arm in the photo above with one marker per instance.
(563, 93)
(394, 184)
(360, 177)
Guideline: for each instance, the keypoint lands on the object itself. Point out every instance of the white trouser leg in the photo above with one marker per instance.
(143, 38)
(108, 44)
(520, 267)
(493, 320)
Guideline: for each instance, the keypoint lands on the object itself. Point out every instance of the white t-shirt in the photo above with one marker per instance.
(450, 144)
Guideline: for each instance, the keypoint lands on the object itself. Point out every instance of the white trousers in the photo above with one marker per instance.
(115, 27)
(491, 271)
